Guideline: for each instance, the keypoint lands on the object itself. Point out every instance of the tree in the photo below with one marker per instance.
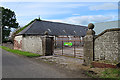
(8, 22)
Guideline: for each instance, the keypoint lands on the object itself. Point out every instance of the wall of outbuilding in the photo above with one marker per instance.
(29, 43)
(32, 44)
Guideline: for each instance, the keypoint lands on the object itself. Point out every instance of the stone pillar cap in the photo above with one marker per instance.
(90, 29)
(90, 26)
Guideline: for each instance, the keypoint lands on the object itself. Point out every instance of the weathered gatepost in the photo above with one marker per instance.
(89, 45)
(48, 44)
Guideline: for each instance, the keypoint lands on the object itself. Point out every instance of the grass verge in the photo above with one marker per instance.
(107, 74)
(27, 54)
(91, 74)
(113, 73)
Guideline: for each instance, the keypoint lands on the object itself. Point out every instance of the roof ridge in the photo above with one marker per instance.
(63, 23)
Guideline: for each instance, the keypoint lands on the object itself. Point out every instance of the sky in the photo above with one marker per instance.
(72, 11)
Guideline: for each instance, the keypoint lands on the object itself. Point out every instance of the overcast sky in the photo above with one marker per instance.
(71, 11)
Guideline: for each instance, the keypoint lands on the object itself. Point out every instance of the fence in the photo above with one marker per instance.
(69, 46)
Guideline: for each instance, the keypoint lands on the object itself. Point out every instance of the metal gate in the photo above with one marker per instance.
(66, 46)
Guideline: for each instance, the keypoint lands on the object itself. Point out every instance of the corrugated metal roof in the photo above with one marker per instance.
(54, 28)
(100, 27)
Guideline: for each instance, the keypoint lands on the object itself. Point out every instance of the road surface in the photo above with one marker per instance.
(14, 66)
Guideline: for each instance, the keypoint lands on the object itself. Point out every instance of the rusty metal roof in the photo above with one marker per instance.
(54, 28)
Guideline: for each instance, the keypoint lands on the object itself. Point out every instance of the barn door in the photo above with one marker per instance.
(49, 46)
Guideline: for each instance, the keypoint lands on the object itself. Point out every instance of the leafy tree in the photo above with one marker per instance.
(8, 22)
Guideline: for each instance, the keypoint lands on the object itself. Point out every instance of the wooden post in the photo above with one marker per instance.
(74, 47)
(62, 46)
(52, 45)
(55, 42)
(77, 41)
(68, 38)
(80, 40)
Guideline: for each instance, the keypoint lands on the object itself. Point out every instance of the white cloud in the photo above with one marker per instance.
(56, 21)
(59, 0)
(105, 6)
(76, 14)
(44, 9)
(73, 5)
(85, 20)
(35, 9)
(42, 13)
(55, 5)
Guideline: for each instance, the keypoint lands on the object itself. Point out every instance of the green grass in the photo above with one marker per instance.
(111, 73)
(27, 54)
(107, 74)
(91, 75)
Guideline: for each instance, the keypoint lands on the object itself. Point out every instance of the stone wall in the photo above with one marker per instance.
(104, 47)
(32, 44)
(107, 46)
(18, 42)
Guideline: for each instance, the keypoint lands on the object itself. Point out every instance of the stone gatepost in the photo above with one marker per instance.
(89, 45)
(48, 45)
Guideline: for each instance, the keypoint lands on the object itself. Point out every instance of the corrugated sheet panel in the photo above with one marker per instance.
(100, 27)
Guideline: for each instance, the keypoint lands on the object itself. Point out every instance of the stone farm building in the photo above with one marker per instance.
(31, 38)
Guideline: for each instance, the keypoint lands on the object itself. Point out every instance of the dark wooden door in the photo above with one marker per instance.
(49, 46)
